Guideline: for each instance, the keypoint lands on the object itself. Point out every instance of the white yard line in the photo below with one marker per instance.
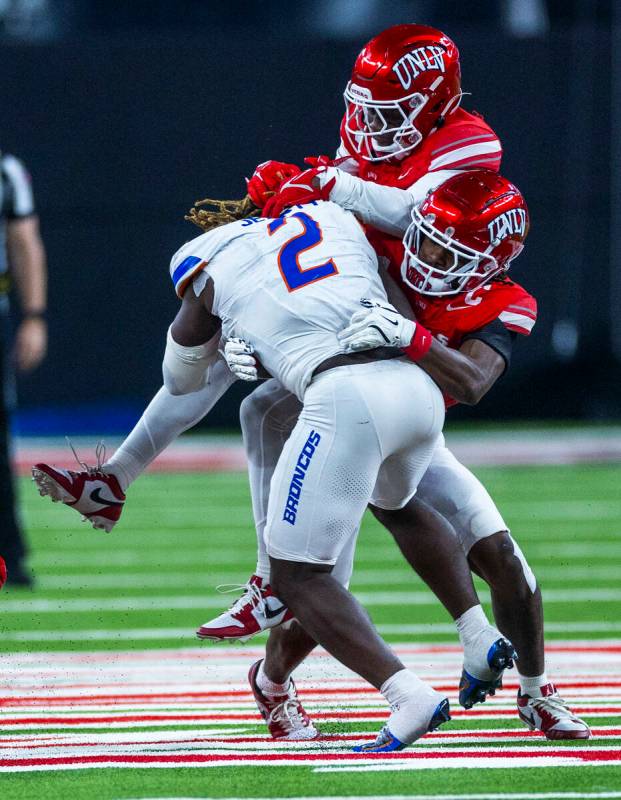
(172, 632)
(362, 577)
(159, 603)
(70, 558)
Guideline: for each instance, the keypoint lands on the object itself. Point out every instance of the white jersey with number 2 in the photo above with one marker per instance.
(287, 286)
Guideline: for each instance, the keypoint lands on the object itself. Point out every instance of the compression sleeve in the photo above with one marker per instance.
(186, 369)
(498, 337)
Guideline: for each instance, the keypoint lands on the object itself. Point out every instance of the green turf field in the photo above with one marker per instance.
(143, 589)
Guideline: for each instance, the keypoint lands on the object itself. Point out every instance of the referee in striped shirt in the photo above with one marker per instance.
(22, 273)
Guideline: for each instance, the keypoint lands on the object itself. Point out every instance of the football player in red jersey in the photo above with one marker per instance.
(404, 128)
(450, 270)
(403, 124)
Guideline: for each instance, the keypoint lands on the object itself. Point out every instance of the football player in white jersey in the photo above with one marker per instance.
(290, 285)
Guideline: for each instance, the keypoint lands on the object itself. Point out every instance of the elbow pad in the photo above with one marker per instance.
(186, 369)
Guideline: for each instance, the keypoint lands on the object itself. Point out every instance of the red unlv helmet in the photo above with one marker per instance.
(402, 83)
(480, 219)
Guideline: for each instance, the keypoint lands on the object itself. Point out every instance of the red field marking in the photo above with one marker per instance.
(247, 653)
(369, 714)
(587, 755)
(225, 694)
(602, 681)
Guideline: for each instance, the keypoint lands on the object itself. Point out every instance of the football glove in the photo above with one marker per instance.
(267, 179)
(302, 188)
(241, 362)
(377, 325)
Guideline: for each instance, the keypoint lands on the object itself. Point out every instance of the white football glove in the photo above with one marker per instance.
(377, 325)
(238, 355)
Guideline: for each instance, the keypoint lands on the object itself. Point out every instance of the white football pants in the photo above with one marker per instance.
(268, 416)
(344, 442)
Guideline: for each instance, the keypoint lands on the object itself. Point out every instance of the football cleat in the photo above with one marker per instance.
(551, 715)
(256, 610)
(283, 713)
(474, 688)
(387, 742)
(92, 493)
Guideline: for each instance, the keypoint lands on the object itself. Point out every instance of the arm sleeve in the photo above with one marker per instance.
(186, 369)
(498, 337)
(18, 201)
(386, 208)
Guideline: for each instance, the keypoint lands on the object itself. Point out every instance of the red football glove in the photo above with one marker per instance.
(301, 188)
(2, 572)
(267, 179)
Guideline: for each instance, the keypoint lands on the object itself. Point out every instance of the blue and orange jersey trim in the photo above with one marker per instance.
(185, 272)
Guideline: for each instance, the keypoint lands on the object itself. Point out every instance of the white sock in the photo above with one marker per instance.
(165, 418)
(532, 685)
(401, 686)
(470, 625)
(268, 686)
(412, 703)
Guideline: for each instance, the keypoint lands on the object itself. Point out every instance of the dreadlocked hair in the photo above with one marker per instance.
(220, 212)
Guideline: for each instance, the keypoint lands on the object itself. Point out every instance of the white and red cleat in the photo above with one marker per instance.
(283, 713)
(256, 610)
(92, 493)
(551, 715)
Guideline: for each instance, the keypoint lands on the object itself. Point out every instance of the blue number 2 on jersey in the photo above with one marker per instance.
(289, 255)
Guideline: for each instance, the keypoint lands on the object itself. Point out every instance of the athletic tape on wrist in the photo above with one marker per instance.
(420, 344)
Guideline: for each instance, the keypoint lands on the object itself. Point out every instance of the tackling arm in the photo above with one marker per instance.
(466, 374)
(386, 208)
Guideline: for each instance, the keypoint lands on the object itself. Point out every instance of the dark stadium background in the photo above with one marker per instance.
(128, 112)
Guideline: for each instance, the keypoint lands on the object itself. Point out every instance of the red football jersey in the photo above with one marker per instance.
(452, 317)
(465, 141)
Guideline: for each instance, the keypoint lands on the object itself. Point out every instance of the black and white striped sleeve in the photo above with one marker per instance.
(17, 199)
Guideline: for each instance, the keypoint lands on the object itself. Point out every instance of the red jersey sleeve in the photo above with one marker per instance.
(520, 312)
(466, 141)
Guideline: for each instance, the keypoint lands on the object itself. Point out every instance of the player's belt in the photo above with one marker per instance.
(5, 283)
(361, 357)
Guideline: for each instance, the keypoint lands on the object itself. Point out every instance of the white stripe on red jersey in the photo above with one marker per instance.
(481, 137)
(518, 322)
(473, 154)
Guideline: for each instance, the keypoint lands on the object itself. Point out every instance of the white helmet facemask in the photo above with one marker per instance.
(469, 268)
(395, 118)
